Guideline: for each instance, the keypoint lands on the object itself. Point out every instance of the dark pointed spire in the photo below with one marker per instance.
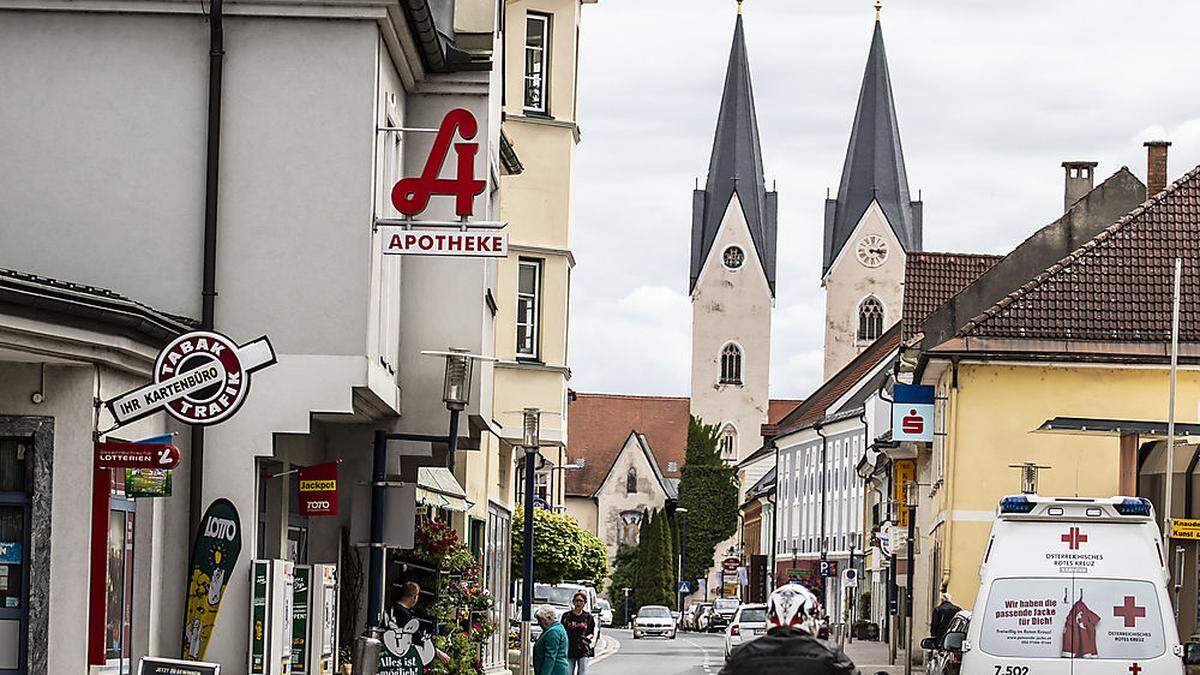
(735, 167)
(874, 168)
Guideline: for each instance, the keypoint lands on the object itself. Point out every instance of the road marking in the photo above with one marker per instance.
(704, 650)
(616, 646)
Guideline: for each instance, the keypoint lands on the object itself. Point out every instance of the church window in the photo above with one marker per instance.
(631, 524)
(537, 62)
(870, 319)
(529, 300)
(731, 364)
(631, 481)
(733, 257)
(728, 442)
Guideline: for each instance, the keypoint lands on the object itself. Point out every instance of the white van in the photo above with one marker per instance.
(1073, 587)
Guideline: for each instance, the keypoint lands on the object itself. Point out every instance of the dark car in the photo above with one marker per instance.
(946, 656)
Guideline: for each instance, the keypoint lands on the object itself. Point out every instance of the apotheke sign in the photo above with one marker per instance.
(475, 244)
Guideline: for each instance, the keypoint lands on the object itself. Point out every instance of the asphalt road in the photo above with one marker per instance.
(688, 654)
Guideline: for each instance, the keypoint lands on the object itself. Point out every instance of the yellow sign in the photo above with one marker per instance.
(1185, 528)
(322, 485)
(904, 471)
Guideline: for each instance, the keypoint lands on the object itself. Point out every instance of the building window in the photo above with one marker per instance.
(542, 493)
(537, 62)
(731, 364)
(728, 442)
(529, 307)
(631, 481)
(631, 525)
(870, 319)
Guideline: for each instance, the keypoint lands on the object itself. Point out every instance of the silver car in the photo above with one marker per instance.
(749, 622)
(604, 613)
(653, 620)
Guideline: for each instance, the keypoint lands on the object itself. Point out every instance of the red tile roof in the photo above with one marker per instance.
(814, 406)
(599, 424)
(931, 279)
(1117, 287)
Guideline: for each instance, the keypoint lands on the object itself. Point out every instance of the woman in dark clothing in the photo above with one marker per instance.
(581, 635)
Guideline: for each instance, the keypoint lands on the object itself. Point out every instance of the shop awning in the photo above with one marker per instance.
(438, 488)
(1112, 427)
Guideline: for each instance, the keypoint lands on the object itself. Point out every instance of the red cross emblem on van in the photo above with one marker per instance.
(1129, 611)
(1074, 538)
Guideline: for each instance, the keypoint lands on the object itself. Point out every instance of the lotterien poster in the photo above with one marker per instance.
(214, 554)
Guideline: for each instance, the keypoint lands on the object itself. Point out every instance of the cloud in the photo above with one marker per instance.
(991, 98)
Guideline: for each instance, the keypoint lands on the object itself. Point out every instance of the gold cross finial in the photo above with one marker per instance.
(739, 6)
(878, 6)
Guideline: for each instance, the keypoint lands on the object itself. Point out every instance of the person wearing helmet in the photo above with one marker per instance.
(790, 645)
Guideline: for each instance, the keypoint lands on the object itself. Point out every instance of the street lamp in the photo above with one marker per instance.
(627, 590)
(681, 513)
(531, 441)
(456, 394)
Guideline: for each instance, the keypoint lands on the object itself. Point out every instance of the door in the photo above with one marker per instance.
(14, 549)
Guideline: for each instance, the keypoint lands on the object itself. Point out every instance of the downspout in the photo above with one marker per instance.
(208, 293)
(951, 485)
(774, 499)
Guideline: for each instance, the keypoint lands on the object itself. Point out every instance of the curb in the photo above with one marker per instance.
(607, 647)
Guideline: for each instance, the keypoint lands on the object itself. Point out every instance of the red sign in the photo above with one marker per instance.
(1073, 538)
(123, 455)
(731, 564)
(318, 490)
(474, 244)
(411, 195)
(912, 423)
(1129, 611)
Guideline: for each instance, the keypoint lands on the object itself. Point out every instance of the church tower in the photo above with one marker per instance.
(732, 281)
(871, 226)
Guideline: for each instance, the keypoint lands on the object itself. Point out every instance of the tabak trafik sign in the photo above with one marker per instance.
(201, 377)
(411, 197)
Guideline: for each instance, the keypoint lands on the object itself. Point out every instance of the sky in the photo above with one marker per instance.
(991, 97)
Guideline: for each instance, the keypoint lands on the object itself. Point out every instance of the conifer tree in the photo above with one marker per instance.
(708, 491)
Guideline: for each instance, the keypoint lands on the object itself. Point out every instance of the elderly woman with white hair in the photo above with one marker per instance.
(550, 651)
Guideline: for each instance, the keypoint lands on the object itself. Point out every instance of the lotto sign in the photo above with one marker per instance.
(199, 378)
(471, 244)
(123, 455)
(904, 471)
(318, 490)
(912, 413)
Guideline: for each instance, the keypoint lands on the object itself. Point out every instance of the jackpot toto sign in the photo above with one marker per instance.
(199, 378)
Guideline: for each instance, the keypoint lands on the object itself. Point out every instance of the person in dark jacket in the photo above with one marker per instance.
(790, 646)
(581, 635)
(942, 615)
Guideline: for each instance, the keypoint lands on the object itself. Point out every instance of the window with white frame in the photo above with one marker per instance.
(870, 319)
(537, 62)
(541, 486)
(728, 443)
(731, 364)
(529, 307)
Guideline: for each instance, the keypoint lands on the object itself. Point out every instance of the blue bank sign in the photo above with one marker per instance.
(912, 413)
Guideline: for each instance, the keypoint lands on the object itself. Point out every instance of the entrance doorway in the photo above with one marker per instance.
(16, 456)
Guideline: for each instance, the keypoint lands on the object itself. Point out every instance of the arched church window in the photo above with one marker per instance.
(631, 523)
(870, 319)
(728, 443)
(631, 481)
(731, 364)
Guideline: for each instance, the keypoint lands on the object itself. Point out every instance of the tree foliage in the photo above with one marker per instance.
(562, 550)
(653, 583)
(624, 575)
(707, 489)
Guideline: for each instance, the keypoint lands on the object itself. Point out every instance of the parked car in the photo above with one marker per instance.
(946, 657)
(604, 612)
(559, 597)
(653, 620)
(749, 622)
(693, 614)
(722, 613)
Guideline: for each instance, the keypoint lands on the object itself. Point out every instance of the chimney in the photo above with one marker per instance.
(1079, 180)
(1156, 166)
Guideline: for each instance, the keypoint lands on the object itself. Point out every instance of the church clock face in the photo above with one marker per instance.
(733, 257)
(872, 250)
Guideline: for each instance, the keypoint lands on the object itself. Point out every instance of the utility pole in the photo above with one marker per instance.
(530, 438)
(1170, 477)
(910, 501)
(681, 513)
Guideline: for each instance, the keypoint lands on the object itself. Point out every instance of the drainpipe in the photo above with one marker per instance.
(951, 455)
(774, 499)
(824, 499)
(208, 293)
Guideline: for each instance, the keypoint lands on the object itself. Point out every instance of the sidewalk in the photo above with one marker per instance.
(872, 658)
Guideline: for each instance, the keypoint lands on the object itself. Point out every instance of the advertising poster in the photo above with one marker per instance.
(904, 471)
(214, 554)
(406, 649)
(1080, 618)
(147, 483)
(318, 490)
(300, 606)
(259, 579)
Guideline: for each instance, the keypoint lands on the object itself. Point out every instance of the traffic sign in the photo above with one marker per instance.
(685, 587)
(850, 577)
(825, 568)
(125, 455)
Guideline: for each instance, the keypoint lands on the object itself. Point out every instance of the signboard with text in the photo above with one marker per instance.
(1185, 528)
(125, 455)
(397, 240)
(156, 665)
(912, 413)
(904, 471)
(319, 490)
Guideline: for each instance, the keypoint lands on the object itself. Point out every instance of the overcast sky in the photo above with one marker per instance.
(991, 97)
